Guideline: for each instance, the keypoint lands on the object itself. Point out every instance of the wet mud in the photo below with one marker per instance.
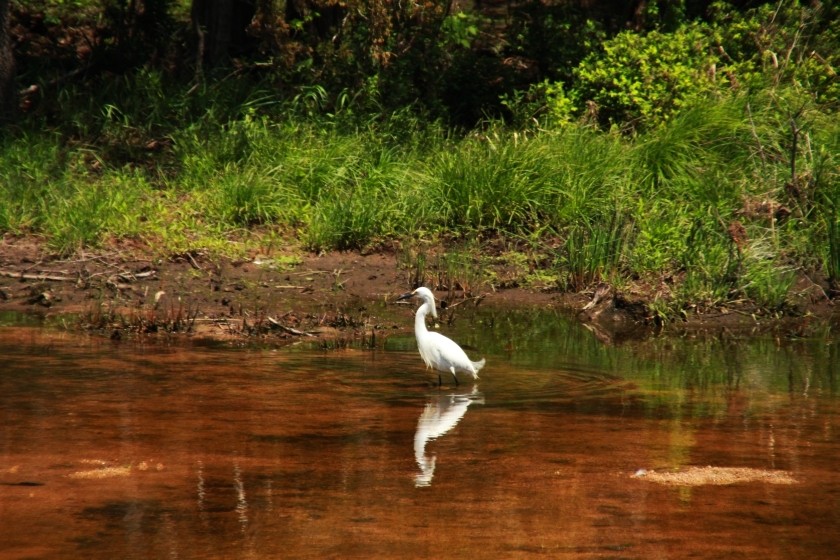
(285, 298)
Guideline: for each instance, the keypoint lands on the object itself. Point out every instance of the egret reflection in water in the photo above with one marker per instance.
(441, 414)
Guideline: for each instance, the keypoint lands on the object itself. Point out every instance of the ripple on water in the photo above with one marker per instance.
(561, 388)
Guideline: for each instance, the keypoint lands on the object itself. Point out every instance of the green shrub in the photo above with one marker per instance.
(787, 43)
(642, 80)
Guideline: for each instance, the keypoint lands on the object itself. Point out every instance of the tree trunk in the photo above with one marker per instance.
(7, 64)
(222, 29)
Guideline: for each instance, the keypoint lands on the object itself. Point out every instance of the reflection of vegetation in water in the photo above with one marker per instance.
(12, 318)
(763, 364)
(684, 383)
(662, 368)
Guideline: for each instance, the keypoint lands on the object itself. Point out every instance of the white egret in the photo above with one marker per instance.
(438, 351)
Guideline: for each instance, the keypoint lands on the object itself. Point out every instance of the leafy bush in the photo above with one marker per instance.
(787, 43)
(643, 80)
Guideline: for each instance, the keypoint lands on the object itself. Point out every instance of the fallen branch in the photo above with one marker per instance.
(289, 330)
(308, 272)
(475, 299)
(42, 276)
(193, 262)
(130, 276)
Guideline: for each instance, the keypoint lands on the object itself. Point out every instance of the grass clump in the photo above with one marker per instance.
(593, 252)
(79, 213)
(485, 183)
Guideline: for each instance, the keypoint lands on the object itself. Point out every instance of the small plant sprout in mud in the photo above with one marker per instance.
(438, 351)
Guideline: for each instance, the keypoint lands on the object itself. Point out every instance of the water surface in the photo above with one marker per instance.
(146, 450)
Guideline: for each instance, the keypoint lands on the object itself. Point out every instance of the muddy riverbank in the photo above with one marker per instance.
(125, 291)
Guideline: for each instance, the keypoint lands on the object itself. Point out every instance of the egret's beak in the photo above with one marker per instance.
(407, 295)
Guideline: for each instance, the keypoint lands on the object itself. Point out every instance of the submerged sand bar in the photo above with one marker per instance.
(703, 476)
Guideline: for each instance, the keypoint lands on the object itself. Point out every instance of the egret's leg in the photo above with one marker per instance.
(440, 380)
(452, 369)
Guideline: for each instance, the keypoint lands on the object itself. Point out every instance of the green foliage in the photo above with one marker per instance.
(554, 35)
(460, 28)
(66, 195)
(545, 103)
(28, 165)
(637, 80)
(826, 188)
(81, 214)
(725, 188)
(787, 43)
(647, 78)
(585, 174)
(659, 204)
(660, 236)
(367, 202)
(248, 196)
(709, 264)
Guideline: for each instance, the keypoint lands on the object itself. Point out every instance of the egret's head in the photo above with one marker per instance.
(424, 294)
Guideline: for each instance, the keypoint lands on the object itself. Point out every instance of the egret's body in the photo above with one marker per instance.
(438, 351)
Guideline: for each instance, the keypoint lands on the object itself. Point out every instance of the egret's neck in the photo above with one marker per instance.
(420, 318)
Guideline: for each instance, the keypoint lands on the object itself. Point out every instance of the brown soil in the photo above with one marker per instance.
(125, 290)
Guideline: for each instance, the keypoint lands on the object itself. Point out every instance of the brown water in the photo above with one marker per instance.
(130, 450)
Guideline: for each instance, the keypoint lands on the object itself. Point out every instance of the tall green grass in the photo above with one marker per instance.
(660, 206)
(484, 184)
(29, 165)
(67, 195)
(593, 252)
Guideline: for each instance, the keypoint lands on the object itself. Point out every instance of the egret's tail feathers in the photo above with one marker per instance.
(478, 365)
